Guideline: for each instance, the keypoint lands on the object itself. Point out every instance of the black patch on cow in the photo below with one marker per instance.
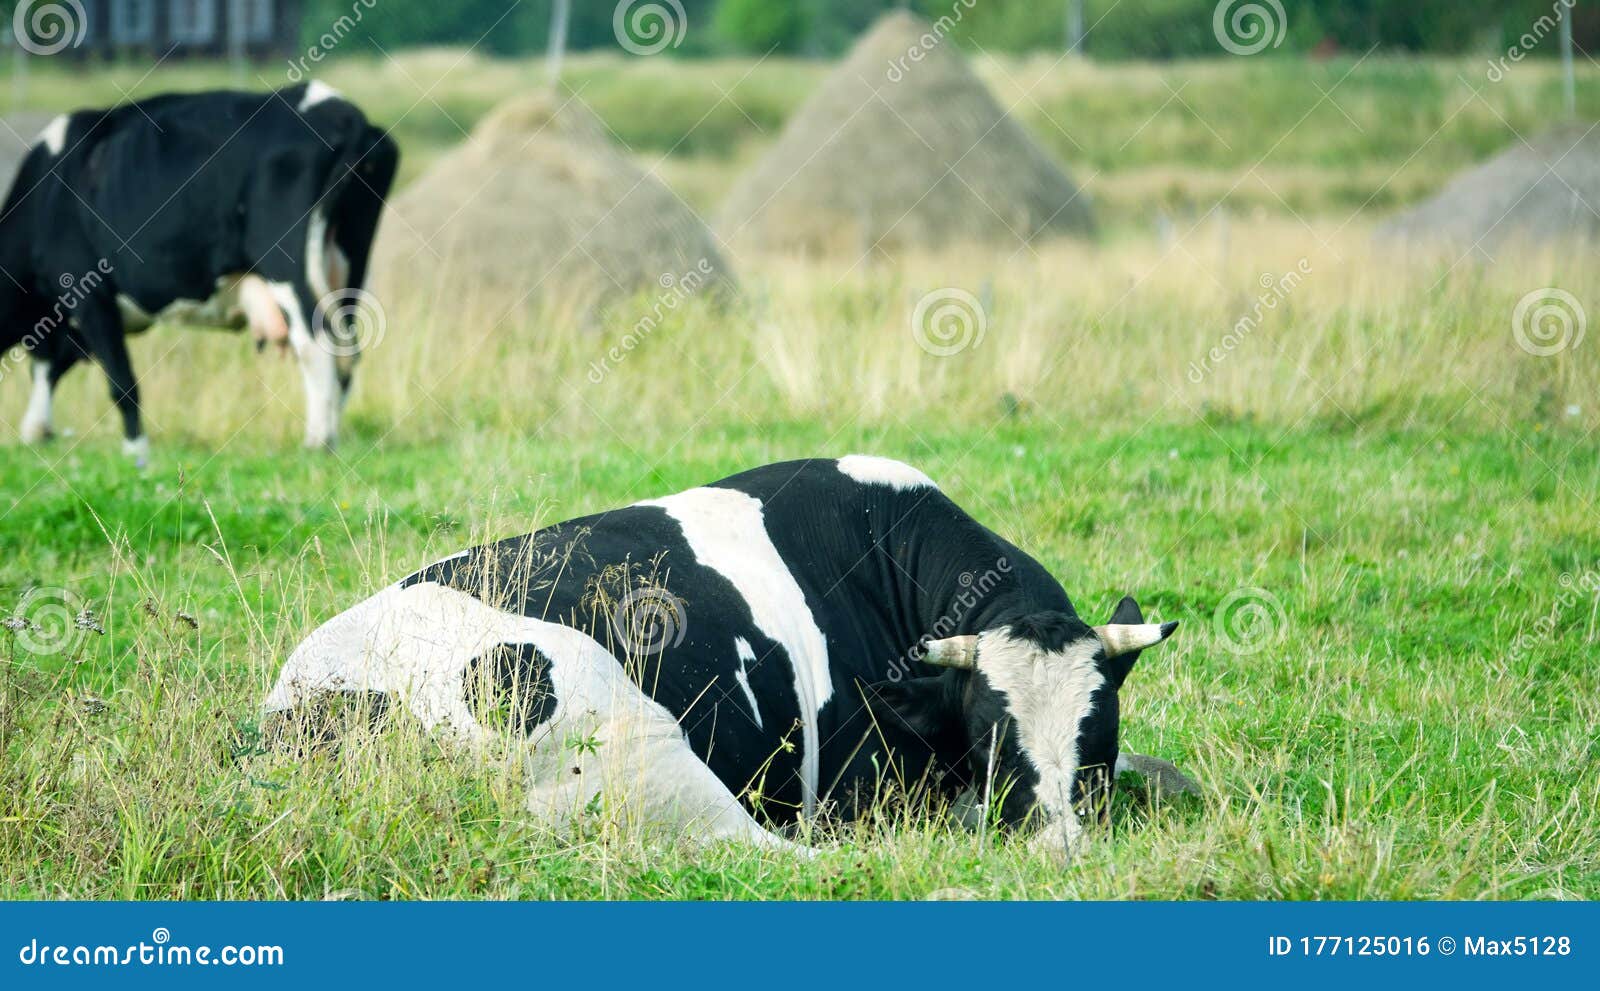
(509, 688)
(1052, 631)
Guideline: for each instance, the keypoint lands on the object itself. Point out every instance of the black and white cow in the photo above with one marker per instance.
(225, 208)
(779, 642)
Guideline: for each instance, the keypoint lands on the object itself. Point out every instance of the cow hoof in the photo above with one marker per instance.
(319, 444)
(37, 433)
(137, 448)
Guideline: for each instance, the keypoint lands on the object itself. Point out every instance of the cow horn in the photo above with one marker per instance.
(1123, 638)
(953, 652)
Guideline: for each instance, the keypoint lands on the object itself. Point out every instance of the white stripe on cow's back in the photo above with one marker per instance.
(727, 532)
(872, 470)
(741, 646)
(317, 92)
(54, 135)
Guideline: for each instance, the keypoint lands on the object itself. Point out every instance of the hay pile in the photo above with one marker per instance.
(18, 133)
(539, 204)
(864, 162)
(1545, 190)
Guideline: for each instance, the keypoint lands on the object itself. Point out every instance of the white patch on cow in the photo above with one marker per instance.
(1049, 695)
(726, 531)
(741, 647)
(54, 135)
(870, 470)
(316, 257)
(413, 645)
(317, 92)
(36, 421)
(317, 370)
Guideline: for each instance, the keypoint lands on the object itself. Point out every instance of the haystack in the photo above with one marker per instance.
(539, 204)
(19, 132)
(1545, 190)
(902, 146)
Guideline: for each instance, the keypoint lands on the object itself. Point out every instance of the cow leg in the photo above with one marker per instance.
(36, 422)
(318, 369)
(101, 327)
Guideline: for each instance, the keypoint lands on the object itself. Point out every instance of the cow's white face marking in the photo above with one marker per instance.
(727, 533)
(1048, 695)
(317, 370)
(54, 135)
(870, 470)
(317, 92)
(36, 422)
(747, 656)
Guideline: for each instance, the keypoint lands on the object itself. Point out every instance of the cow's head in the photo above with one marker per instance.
(1038, 712)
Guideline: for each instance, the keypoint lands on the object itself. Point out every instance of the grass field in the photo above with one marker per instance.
(1375, 515)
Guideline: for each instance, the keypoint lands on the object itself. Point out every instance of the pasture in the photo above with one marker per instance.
(1376, 516)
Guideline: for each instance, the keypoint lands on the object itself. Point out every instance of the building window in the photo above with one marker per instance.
(193, 22)
(256, 16)
(133, 22)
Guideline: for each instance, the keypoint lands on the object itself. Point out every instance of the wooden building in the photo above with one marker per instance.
(190, 28)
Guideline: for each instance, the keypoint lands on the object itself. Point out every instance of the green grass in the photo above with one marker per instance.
(1408, 496)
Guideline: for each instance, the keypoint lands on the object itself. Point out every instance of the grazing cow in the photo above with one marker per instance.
(225, 208)
(793, 637)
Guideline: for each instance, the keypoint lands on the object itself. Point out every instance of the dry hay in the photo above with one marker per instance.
(1546, 189)
(896, 153)
(539, 205)
(19, 132)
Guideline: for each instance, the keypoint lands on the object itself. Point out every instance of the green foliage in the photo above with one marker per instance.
(761, 26)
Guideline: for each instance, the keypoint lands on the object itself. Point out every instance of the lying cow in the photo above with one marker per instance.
(227, 208)
(787, 637)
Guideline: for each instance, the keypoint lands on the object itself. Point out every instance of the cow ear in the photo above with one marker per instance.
(917, 704)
